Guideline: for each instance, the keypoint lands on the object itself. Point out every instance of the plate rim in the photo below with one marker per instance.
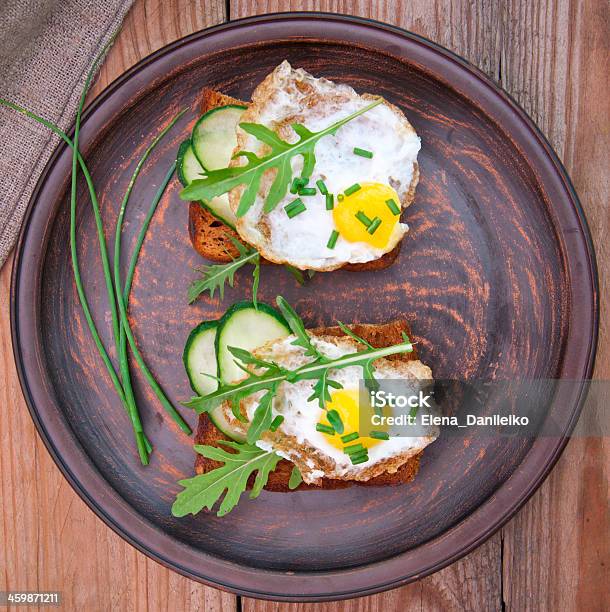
(341, 583)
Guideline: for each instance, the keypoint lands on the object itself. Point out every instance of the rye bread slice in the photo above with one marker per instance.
(379, 336)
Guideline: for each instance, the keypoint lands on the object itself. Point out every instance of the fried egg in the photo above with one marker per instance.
(318, 454)
(289, 96)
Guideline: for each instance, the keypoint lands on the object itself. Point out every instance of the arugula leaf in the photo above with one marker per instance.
(204, 490)
(297, 327)
(247, 358)
(346, 330)
(261, 420)
(217, 275)
(295, 478)
(321, 389)
(217, 182)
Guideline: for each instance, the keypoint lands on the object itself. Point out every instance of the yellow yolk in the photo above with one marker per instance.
(347, 403)
(370, 199)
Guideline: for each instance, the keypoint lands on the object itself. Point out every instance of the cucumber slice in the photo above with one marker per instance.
(199, 358)
(214, 136)
(187, 165)
(189, 169)
(247, 327)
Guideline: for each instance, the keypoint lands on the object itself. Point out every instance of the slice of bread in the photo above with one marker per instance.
(210, 237)
(379, 336)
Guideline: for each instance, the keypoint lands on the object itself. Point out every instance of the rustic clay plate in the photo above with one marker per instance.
(497, 278)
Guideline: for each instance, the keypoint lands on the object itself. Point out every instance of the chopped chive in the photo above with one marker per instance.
(332, 241)
(307, 191)
(296, 207)
(330, 201)
(325, 429)
(340, 197)
(361, 458)
(363, 152)
(355, 187)
(297, 183)
(393, 206)
(279, 419)
(354, 449)
(322, 186)
(375, 223)
(379, 435)
(349, 437)
(335, 420)
(363, 218)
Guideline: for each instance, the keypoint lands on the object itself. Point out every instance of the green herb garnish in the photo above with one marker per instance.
(295, 478)
(296, 207)
(334, 418)
(217, 182)
(355, 187)
(374, 226)
(363, 218)
(327, 429)
(354, 449)
(363, 152)
(279, 419)
(217, 275)
(391, 204)
(349, 437)
(379, 435)
(340, 197)
(332, 241)
(307, 191)
(359, 458)
(322, 186)
(330, 201)
(204, 490)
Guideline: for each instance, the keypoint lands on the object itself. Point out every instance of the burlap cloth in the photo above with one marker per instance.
(46, 50)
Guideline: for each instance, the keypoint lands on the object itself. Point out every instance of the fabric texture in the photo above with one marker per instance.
(47, 48)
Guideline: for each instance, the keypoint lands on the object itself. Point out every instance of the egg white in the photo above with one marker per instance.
(301, 415)
(294, 96)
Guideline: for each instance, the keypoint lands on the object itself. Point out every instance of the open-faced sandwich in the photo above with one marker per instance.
(309, 173)
(280, 406)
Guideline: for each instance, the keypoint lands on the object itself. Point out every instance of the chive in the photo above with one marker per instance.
(307, 191)
(296, 207)
(322, 186)
(279, 419)
(379, 435)
(361, 458)
(349, 437)
(330, 201)
(294, 187)
(363, 152)
(355, 187)
(332, 241)
(335, 420)
(297, 183)
(324, 428)
(340, 197)
(375, 223)
(393, 206)
(363, 218)
(119, 295)
(354, 449)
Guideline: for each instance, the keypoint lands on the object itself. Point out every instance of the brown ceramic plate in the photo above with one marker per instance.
(497, 278)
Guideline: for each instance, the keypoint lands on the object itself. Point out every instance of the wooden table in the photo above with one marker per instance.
(552, 57)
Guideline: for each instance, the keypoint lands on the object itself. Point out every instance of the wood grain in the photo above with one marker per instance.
(551, 56)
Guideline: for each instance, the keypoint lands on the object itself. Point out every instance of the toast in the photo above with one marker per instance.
(379, 336)
(210, 237)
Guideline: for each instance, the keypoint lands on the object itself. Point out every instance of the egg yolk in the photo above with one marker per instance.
(347, 403)
(368, 202)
